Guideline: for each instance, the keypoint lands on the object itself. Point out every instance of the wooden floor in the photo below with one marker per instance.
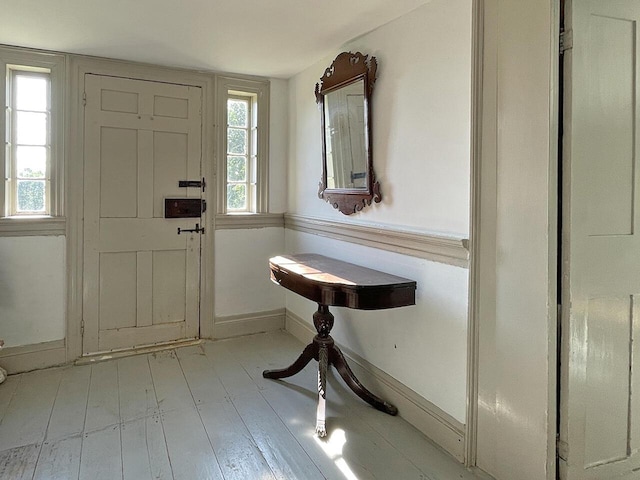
(203, 412)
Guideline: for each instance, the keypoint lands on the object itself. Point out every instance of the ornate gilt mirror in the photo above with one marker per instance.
(344, 97)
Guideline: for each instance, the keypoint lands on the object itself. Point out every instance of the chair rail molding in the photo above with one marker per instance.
(32, 226)
(451, 250)
(243, 221)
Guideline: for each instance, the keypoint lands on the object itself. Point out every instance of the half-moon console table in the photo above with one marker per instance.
(330, 282)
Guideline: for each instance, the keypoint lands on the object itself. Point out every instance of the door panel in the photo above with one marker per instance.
(118, 301)
(600, 380)
(118, 173)
(169, 279)
(608, 320)
(141, 279)
(168, 146)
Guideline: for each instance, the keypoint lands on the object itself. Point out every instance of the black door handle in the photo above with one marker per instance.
(197, 229)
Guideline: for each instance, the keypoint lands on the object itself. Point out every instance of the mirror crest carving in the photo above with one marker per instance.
(344, 97)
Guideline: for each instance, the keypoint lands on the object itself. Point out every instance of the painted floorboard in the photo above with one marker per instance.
(236, 451)
(204, 412)
(27, 417)
(247, 354)
(351, 444)
(203, 381)
(59, 459)
(172, 391)
(103, 406)
(70, 406)
(190, 452)
(412, 444)
(283, 453)
(101, 457)
(296, 408)
(234, 378)
(137, 395)
(19, 463)
(7, 389)
(144, 450)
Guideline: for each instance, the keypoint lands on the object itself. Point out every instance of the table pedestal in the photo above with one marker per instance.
(324, 350)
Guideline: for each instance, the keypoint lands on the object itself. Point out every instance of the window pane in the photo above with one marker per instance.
(30, 196)
(31, 128)
(236, 197)
(237, 113)
(236, 169)
(237, 141)
(32, 162)
(31, 93)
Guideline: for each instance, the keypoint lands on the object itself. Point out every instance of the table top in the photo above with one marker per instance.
(329, 281)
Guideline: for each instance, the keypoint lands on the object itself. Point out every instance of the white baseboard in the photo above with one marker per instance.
(248, 324)
(33, 357)
(436, 424)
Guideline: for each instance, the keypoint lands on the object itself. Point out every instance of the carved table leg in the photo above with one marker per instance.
(337, 359)
(310, 352)
(323, 365)
(323, 321)
(324, 350)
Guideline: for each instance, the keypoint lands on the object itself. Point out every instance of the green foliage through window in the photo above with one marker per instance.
(236, 196)
(29, 142)
(31, 196)
(236, 169)
(239, 172)
(237, 112)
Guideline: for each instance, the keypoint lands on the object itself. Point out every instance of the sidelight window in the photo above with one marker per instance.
(31, 132)
(29, 142)
(241, 153)
(244, 145)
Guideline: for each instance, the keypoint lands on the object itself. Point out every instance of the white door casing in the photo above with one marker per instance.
(141, 279)
(600, 378)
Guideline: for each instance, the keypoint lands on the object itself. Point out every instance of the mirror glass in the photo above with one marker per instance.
(344, 129)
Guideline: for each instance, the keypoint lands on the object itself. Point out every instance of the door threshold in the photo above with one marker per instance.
(110, 355)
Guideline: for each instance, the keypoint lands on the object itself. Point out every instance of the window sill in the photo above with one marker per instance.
(32, 226)
(248, 220)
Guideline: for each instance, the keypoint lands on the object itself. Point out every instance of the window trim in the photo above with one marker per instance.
(11, 208)
(55, 64)
(230, 87)
(252, 125)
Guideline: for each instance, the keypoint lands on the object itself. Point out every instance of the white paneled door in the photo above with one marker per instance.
(141, 279)
(600, 365)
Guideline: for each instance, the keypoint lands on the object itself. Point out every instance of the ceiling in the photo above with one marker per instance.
(276, 38)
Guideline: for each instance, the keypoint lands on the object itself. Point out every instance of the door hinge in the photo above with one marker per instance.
(561, 448)
(566, 41)
(84, 99)
(81, 327)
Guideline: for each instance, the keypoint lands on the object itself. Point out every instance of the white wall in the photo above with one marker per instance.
(32, 289)
(242, 283)
(421, 125)
(516, 412)
(420, 119)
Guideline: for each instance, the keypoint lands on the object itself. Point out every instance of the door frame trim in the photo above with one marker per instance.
(473, 321)
(77, 67)
(483, 222)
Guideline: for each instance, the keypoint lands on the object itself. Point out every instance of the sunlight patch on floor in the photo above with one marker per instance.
(332, 447)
